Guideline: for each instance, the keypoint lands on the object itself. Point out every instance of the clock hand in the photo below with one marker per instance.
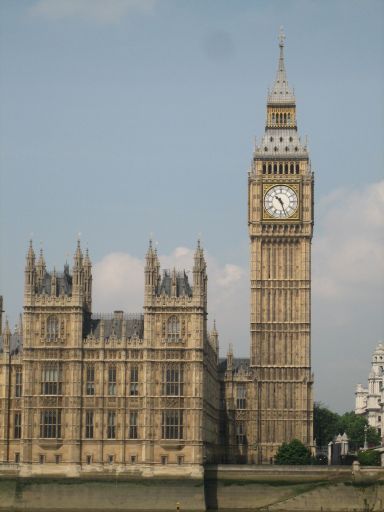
(281, 202)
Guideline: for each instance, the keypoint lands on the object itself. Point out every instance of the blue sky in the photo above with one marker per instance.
(124, 118)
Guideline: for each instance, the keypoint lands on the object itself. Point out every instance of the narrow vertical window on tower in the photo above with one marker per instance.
(240, 432)
(90, 380)
(17, 425)
(89, 424)
(241, 401)
(111, 425)
(133, 415)
(134, 381)
(52, 328)
(173, 328)
(18, 381)
(112, 380)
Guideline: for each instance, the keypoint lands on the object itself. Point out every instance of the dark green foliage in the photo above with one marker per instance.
(369, 458)
(354, 425)
(325, 424)
(328, 424)
(293, 453)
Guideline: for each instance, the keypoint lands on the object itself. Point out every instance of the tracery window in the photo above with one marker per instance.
(52, 328)
(173, 380)
(111, 425)
(90, 382)
(240, 433)
(172, 424)
(50, 424)
(133, 415)
(134, 382)
(89, 425)
(17, 425)
(51, 380)
(241, 401)
(173, 328)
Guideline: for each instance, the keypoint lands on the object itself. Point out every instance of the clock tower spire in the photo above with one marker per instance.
(280, 221)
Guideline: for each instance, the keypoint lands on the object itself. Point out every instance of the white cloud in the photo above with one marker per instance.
(100, 11)
(118, 282)
(348, 290)
(348, 253)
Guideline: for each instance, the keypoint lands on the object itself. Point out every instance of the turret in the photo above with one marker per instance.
(151, 270)
(199, 271)
(214, 337)
(77, 271)
(30, 270)
(87, 266)
(230, 358)
(6, 337)
(54, 283)
(40, 268)
(174, 283)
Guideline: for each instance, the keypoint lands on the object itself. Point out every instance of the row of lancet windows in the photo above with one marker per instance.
(281, 168)
(281, 118)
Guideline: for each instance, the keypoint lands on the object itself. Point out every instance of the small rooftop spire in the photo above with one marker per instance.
(31, 252)
(78, 257)
(41, 260)
(87, 260)
(7, 330)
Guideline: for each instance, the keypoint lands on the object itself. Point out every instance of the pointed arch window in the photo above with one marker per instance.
(52, 328)
(173, 328)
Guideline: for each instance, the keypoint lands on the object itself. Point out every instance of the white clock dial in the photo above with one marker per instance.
(281, 201)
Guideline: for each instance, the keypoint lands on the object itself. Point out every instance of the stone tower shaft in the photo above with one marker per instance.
(280, 221)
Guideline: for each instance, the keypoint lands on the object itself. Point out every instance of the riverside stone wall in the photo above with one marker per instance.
(267, 488)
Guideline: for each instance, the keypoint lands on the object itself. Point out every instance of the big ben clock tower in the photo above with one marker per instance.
(280, 220)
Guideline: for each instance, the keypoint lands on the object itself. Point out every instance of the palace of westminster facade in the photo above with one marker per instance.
(148, 391)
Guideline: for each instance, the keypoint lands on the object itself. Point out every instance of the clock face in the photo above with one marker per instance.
(281, 201)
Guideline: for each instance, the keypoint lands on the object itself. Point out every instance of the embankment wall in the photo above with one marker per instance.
(267, 488)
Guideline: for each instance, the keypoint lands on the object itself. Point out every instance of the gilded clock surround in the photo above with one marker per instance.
(295, 215)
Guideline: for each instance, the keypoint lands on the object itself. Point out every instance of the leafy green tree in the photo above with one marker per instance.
(369, 458)
(328, 424)
(325, 424)
(293, 453)
(354, 425)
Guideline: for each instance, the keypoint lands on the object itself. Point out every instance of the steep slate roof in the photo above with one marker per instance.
(113, 325)
(63, 283)
(183, 287)
(238, 363)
